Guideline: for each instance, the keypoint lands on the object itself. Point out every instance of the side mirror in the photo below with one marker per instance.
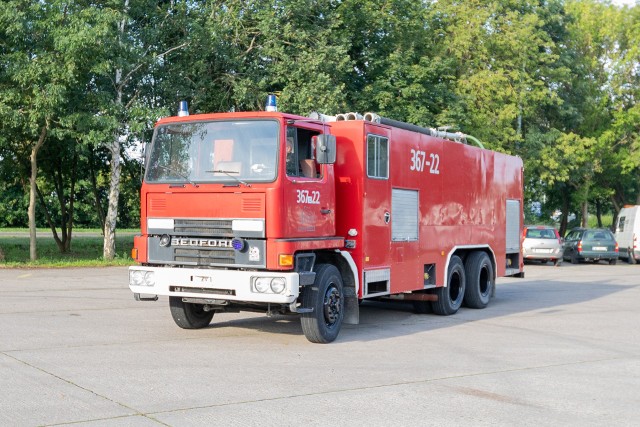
(326, 149)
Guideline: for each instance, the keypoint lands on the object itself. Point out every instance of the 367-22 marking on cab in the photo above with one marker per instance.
(419, 161)
(308, 197)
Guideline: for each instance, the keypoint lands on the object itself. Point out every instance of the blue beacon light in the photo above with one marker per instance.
(183, 109)
(271, 103)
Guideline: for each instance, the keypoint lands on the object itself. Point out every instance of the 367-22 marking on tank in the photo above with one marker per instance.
(308, 197)
(419, 162)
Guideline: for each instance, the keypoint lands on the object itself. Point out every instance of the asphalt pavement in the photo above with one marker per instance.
(559, 347)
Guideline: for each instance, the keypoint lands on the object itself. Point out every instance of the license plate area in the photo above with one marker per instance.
(543, 251)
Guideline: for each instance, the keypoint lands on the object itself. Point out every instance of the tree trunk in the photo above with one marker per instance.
(599, 213)
(565, 213)
(109, 250)
(94, 187)
(47, 216)
(33, 251)
(585, 214)
(72, 198)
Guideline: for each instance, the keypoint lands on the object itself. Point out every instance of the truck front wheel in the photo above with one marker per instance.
(326, 298)
(450, 297)
(189, 316)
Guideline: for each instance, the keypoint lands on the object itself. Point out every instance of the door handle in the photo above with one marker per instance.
(325, 211)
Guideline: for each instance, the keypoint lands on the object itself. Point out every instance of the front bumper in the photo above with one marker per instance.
(226, 285)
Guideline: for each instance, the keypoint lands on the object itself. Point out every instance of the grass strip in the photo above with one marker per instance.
(86, 251)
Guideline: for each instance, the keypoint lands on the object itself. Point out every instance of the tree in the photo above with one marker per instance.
(38, 72)
(121, 86)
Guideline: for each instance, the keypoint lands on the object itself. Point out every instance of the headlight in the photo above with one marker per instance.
(149, 278)
(137, 277)
(262, 284)
(277, 285)
(142, 278)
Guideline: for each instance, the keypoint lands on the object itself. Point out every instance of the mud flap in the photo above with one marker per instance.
(351, 307)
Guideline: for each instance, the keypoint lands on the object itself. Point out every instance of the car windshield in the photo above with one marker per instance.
(217, 151)
(537, 233)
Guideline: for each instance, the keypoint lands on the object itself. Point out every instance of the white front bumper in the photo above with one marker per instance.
(231, 285)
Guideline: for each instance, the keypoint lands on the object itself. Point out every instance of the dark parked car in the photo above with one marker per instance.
(542, 243)
(582, 244)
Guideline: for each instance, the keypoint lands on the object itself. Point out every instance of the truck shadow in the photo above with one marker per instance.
(382, 320)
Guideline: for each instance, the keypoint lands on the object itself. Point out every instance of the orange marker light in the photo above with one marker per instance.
(285, 260)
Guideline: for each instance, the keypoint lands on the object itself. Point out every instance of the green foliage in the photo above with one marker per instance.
(556, 82)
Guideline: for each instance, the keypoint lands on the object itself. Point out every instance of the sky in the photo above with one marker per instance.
(624, 2)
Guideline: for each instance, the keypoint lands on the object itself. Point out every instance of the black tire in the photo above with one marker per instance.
(450, 297)
(613, 261)
(326, 297)
(574, 258)
(188, 315)
(480, 280)
(631, 260)
(557, 262)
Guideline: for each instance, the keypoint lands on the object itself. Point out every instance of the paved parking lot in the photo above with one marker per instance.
(560, 347)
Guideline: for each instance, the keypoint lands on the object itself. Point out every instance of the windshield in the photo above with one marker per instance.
(538, 233)
(219, 151)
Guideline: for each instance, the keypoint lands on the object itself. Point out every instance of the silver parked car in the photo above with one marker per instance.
(542, 243)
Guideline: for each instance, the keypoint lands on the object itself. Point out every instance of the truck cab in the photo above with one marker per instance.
(236, 211)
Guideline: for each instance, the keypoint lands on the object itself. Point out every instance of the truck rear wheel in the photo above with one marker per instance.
(450, 297)
(326, 298)
(480, 280)
(189, 316)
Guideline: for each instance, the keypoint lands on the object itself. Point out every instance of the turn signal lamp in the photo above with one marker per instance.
(134, 253)
(285, 260)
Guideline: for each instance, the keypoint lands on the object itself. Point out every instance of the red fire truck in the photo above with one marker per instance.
(283, 214)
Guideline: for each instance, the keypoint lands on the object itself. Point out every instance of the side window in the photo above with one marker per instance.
(573, 236)
(621, 224)
(300, 153)
(377, 157)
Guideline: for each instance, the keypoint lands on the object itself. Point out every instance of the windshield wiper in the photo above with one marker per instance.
(178, 173)
(229, 174)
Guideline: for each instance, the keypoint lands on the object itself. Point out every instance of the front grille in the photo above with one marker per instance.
(206, 243)
(203, 227)
(202, 256)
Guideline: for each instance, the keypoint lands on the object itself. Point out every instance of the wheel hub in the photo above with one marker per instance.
(331, 305)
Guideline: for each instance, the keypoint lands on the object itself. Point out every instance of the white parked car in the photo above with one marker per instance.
(628, 233)
(542, 243)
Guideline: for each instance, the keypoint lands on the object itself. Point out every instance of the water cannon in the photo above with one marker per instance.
(271, 103)
(183, 109)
